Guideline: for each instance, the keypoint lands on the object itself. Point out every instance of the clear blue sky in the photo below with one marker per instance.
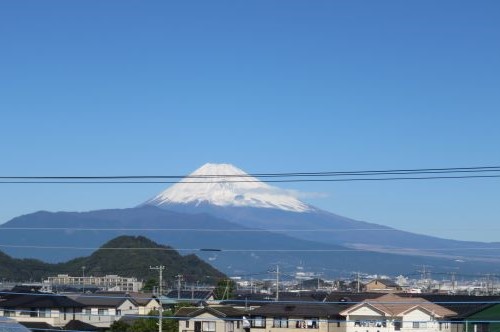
(162, 87)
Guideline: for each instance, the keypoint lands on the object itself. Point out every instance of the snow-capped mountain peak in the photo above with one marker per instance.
(227, 185)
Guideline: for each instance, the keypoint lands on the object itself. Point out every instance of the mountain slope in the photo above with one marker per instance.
(251, 226)
(135, 256)
(243, 250)
(129, 255)
(219, 197)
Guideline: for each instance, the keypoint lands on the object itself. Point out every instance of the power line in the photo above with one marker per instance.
(212, 230)
(324, 176)
(400, 250)
(279, 174)
(260, 181)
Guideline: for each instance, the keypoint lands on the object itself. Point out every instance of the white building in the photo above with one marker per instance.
(109, 282)
(390, 313)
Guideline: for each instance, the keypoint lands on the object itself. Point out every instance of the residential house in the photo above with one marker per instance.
(193, 296)
(485, 318)
(247, 300)
(216, 318)
(146, 302)
(50, 309)
(297, 316)
(103, 309)
(382, 286)
(390, 313)
(474, 313)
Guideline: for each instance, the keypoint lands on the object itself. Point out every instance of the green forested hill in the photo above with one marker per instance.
(129, 256)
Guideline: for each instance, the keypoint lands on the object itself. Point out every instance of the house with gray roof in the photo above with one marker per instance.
(52, 309)
(295, 316)
(103, 309)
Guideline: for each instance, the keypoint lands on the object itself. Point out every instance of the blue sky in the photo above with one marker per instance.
(162, 87)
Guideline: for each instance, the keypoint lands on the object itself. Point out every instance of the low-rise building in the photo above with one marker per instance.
(297, 316)
(390, 313)
(50, 309)
(382, 286)
(110, 282)
(103, 309)
(217, 318)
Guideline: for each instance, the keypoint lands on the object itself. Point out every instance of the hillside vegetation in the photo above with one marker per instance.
(130, 256)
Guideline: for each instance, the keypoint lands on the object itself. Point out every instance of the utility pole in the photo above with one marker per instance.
(453, 282)
(83, 279)
(160, 269)
(277, 282)
(357, 282)
(179, 279)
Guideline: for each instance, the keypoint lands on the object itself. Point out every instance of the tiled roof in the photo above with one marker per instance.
(463, 305)
(220, 311)
(78, 325)
(252, 299)
(40, 301)
(396, 305)
(189, 294)
(299, 309)
(348, 299)
(142, 298)
(34, 326)
(385, 282)
(102, 300)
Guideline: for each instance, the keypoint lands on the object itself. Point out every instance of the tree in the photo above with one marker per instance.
(149, 285)
(224, 289)
(119, 326)
(144, 325)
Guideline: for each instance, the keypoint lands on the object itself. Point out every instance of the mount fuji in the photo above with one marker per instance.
(226, 191)
(252, 226)
(226, 185)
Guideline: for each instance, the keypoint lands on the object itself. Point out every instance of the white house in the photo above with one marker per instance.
(103, 309)
(390, 313)
(217, 318)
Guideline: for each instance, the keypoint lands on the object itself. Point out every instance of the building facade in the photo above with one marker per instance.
(108, 282)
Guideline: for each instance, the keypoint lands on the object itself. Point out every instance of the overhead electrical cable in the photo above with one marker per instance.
(408, 250)
(280, 174)
(258, 181)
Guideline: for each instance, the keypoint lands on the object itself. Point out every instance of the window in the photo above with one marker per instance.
(280, 322)
(208, 326)
(9, 313)
(397, 326)
(44, 312)
(187, 324)
(482, 327)
(102, 312)
(419, 325)
(229, 326)
(307, 323)
(312, 323)
(258, 321)
(38, 312)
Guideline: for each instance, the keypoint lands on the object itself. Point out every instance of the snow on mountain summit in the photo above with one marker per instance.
(221, 185)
